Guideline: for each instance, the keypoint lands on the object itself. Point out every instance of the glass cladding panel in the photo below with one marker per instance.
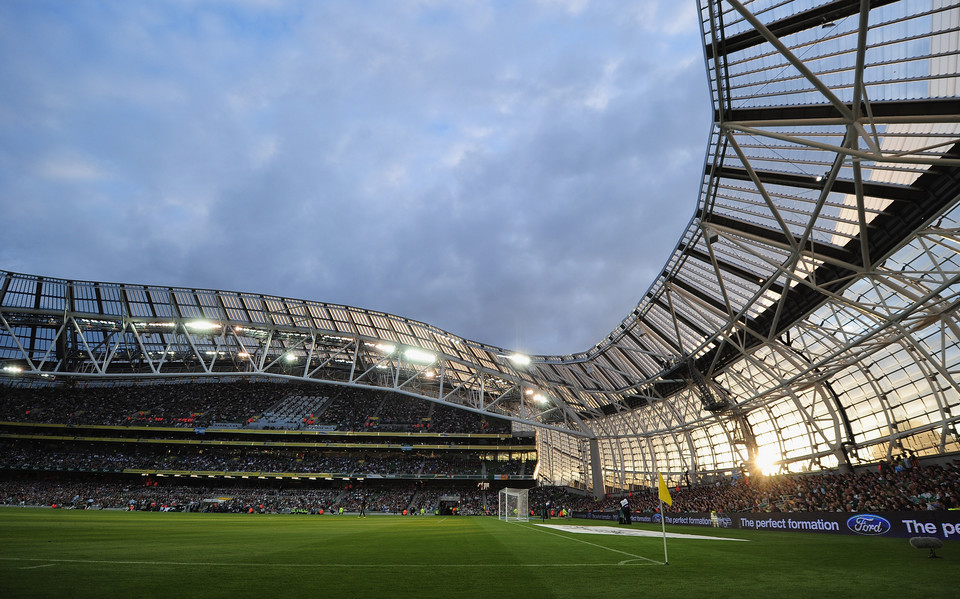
(236, 315)
(320, 315)
(160, 299)
(231, 300)
(299, 314)
(141, 309)
(255, 308)
(765, 423)
(482, 357)
(187, 304)
(84, 298)
(930, 442)
(53, 296)
(20, 293)
(275, 304)
(111, 300)
(210, 305)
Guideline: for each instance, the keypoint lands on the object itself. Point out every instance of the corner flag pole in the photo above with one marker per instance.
(664, 494)
(663, 525)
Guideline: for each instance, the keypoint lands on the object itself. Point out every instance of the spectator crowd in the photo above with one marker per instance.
(930, 487)
(51, 456)
(905, 486)
(207, 404)
(409, 499)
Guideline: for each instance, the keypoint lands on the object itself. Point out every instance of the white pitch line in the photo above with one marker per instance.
(35, 567)
(543, 528)
(314, 565)
(631, 532)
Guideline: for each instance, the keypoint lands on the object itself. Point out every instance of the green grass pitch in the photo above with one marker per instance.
(64, 553)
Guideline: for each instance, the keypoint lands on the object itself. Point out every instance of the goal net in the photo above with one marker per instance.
(513, 505)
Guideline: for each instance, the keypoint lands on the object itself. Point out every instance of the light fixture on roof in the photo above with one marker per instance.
(387, 348)
(290, 357)
(201, 325)
(519, 359)
(419, 356)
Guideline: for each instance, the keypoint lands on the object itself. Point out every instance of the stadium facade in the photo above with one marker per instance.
(807, 319)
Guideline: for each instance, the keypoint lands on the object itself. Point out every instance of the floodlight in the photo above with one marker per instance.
(519, 359)
(387, 348)
(541, 398)
(419, 356)
(12, 368)
(201, 325)
(290, 357)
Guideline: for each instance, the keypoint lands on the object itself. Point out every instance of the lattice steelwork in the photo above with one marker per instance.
(806, 319)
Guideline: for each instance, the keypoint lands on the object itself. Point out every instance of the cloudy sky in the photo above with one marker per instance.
(513, 172)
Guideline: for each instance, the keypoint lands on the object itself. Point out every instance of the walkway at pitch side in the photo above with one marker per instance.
(628, 532)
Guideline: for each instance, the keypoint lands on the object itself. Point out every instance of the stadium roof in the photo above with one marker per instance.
(807, 317)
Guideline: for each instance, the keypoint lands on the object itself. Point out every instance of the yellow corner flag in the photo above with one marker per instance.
(663, 490)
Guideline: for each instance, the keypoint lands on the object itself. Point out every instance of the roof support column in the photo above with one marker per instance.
(596, 469)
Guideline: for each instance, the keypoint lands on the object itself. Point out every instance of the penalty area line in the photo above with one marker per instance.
(314, 565)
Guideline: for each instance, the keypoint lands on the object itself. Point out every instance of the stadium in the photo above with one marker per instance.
(792, 373)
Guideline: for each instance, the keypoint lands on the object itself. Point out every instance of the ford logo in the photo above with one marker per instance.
(868, 524)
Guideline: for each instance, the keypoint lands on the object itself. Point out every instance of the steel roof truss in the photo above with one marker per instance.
(905, 157)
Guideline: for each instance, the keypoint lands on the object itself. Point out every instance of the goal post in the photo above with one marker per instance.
(513, 505)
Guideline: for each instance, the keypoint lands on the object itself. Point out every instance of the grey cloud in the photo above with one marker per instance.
(514, 177)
